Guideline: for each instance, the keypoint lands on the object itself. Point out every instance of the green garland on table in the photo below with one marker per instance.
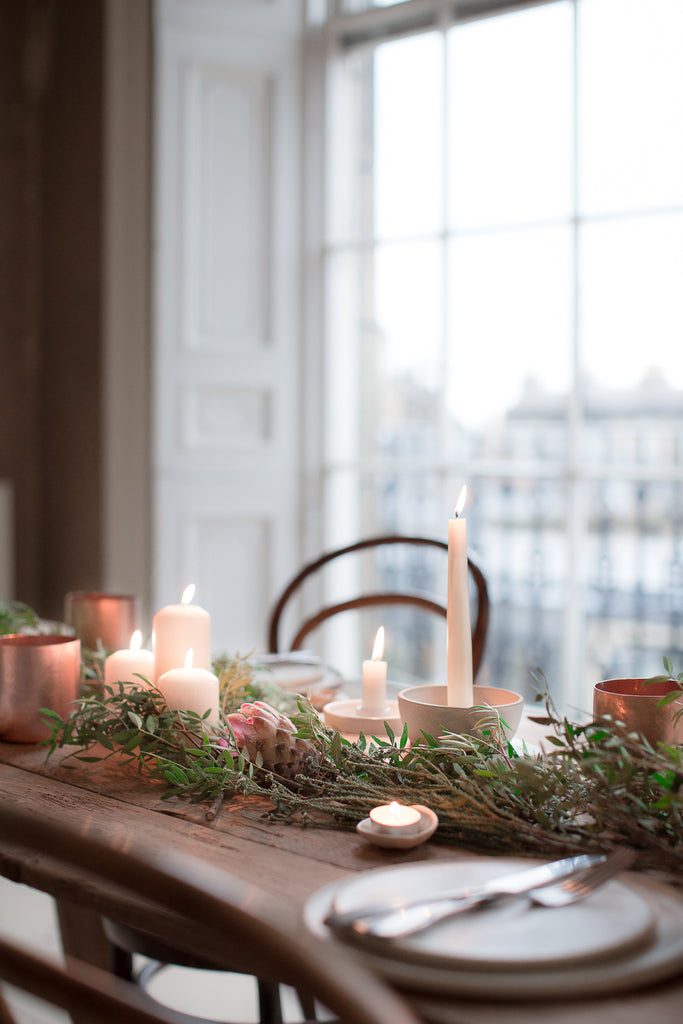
(600, 786)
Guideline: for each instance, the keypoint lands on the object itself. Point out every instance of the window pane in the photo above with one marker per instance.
(383, 362)
(348, 166)
(341, 408)
(408, 136)
(630, 104)
(510, 118)
(386, 502)
(410, 317)
(519, 535)
(510, 323)
(635, 576)
(631, 311)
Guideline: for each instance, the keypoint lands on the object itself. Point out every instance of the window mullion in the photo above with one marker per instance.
(576, 483)
(445, 311)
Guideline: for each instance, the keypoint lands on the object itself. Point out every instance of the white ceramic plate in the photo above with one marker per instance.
(498, 955)
(508, 935)
(299, 677)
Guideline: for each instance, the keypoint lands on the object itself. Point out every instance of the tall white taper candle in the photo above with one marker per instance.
(458, 628)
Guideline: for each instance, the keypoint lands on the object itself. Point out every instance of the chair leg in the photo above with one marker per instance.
(6, 1016)
(122, 963)
(307, 1004)
(270, 1007)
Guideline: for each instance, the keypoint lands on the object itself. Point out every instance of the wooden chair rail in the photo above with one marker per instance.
(414, 598)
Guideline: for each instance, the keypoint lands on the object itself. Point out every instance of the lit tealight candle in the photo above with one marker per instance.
(460, 693)
(191, 689)
(175, 629)
(396, 818)
(126, 666)
(374, 693)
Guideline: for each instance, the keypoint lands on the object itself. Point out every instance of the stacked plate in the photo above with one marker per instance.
(626, 934)
(299, 672)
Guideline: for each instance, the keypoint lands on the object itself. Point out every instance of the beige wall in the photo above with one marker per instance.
(51, 174)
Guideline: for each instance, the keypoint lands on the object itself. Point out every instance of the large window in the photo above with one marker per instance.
(503, 267)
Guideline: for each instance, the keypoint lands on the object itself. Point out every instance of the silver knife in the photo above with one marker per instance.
(508, 885)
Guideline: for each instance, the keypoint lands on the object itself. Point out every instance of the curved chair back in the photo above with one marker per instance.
(231, 911)
(404, 597)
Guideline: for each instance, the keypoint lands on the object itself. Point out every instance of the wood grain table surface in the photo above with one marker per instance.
(117, 806)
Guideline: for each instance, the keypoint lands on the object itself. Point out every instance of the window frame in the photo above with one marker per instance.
(344, 32)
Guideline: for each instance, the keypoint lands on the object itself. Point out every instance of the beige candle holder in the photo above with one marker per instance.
(635, 702)
(36, 672)
(424, 709)
(110, 618)
(400, 839)
(347, 716)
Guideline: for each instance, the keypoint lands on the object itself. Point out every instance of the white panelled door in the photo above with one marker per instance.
(227, 317)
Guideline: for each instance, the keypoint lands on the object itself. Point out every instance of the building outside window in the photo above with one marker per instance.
(503, 258)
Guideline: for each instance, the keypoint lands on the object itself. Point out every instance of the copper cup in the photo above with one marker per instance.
(111, 618)
(36, 672)
(635, 702)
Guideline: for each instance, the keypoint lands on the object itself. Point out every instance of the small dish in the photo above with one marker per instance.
(347, 717)
(427, 827)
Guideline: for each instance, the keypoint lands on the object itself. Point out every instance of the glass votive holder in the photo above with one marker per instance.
(110, 618)
(635, 702)
(36, 672)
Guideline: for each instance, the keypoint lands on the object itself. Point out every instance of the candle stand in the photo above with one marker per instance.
(349, 718)
(424, 709)
(398, 838)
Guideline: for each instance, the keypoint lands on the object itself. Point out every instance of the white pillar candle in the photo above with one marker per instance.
(175, 629)
(460, 692)
(374, 693)
(191, 689)
(126, 665)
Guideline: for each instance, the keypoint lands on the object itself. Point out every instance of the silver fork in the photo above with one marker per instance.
(396, 924)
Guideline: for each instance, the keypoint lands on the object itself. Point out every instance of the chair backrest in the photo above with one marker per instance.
(403, 597)
(227, 909)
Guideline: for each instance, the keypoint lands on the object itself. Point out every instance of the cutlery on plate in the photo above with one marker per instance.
(518, 881)
(556, 884)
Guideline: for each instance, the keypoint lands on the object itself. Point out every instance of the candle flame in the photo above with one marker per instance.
(188, 594)
(136, 640)
(393, 806)
(378, 649)
(188, 658)
(461, 500)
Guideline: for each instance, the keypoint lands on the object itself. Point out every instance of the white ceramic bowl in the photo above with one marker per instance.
(424, 709)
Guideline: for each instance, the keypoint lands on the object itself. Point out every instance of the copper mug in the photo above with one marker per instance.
(635, 702)
(109, 618)
(36, 672)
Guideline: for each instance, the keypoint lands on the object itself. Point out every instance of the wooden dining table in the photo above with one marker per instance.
(125, 810)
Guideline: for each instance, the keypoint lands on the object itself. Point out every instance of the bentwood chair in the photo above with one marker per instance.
(415, 598)
(229, 913)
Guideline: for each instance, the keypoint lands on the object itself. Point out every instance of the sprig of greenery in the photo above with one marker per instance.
(16, 617)
(598, 786)
(240, 681)
(677, 687)
(135, 725)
